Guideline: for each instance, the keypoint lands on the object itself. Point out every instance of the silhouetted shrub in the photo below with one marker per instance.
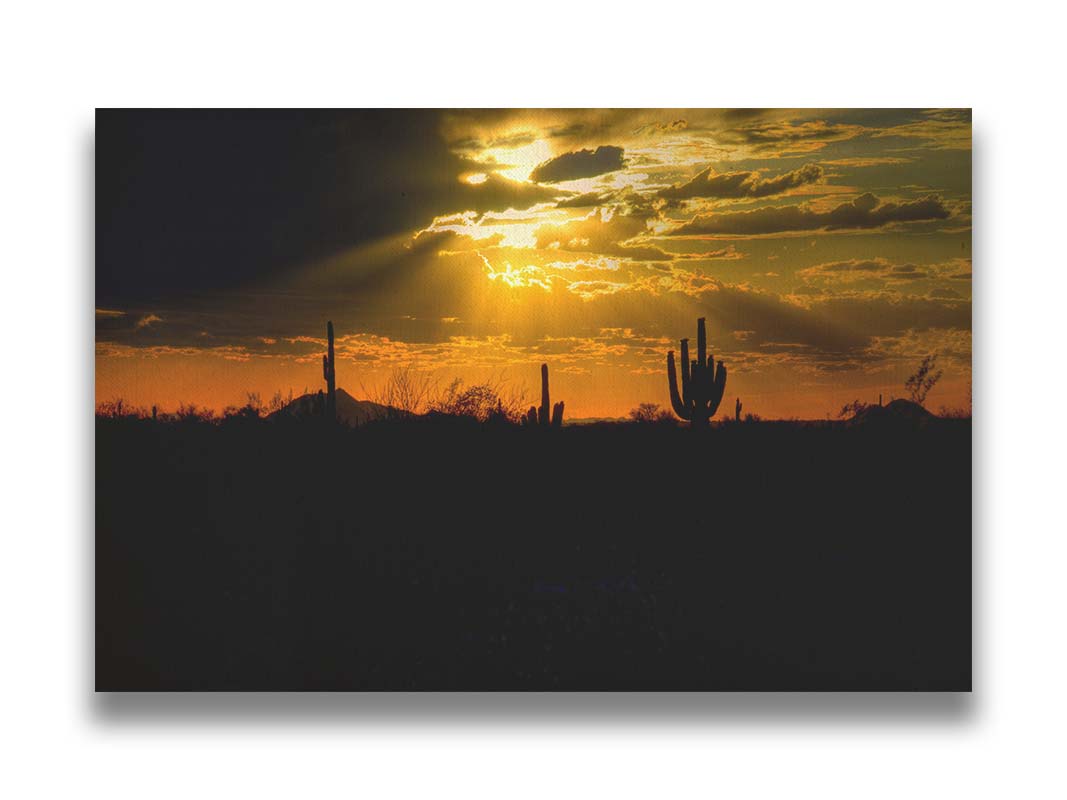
(483, 402)
(651, 414)
(954, 413)
(852, 409)
(405, 392)
(919, 384)
(192, 413)
(119, 409)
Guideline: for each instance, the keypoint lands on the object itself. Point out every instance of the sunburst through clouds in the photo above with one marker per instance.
(828, 250)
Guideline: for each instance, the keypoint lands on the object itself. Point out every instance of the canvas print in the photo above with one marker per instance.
(533, 399)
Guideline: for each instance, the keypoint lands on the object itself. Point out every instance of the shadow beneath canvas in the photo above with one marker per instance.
(525, 709)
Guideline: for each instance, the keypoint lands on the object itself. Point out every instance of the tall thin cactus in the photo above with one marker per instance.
(703, 382)
(540, 416)
(329, 375)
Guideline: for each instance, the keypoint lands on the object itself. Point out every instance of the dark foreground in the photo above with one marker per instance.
(767, 556)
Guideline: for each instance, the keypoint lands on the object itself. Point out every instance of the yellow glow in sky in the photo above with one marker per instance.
(520, 161)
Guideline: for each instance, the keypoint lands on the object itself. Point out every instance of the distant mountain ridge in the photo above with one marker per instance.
(349, 409)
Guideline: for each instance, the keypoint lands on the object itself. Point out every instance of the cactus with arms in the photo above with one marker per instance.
(540, 416)
(703, 382)
(329, 375)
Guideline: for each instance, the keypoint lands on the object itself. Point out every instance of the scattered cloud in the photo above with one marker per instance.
(870, 161)
(856, 269)
(864, 212)
(709, 184)
(937, 129)
(599, 234)
(789, 137)
(586, 200)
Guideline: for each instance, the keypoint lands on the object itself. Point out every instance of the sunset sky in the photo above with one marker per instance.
(829, 250)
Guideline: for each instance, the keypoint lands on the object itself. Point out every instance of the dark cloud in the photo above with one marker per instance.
(200, 201)
(579, 164)
(496, 193)
(742, 184)
(866, 211)
(450, 241)
(572, 131)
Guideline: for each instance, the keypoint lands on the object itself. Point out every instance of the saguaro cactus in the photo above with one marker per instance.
(329, 375)
(703, 383)
(540, 416)
(737, 409)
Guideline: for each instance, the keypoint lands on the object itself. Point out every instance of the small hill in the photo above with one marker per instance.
(895, 412)
(349, 409)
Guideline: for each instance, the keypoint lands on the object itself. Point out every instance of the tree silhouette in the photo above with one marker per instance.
(647, 413)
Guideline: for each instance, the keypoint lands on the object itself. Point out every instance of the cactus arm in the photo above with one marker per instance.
(702, 343)
(717, 389)
(686, 373)
(557, 415)
(680, 408)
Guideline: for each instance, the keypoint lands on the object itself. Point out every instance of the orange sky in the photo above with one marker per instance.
(169, 380)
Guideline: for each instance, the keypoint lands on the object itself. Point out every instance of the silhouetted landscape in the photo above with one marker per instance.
(444, 551)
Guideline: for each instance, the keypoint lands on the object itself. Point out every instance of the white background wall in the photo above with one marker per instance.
(59, 60)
